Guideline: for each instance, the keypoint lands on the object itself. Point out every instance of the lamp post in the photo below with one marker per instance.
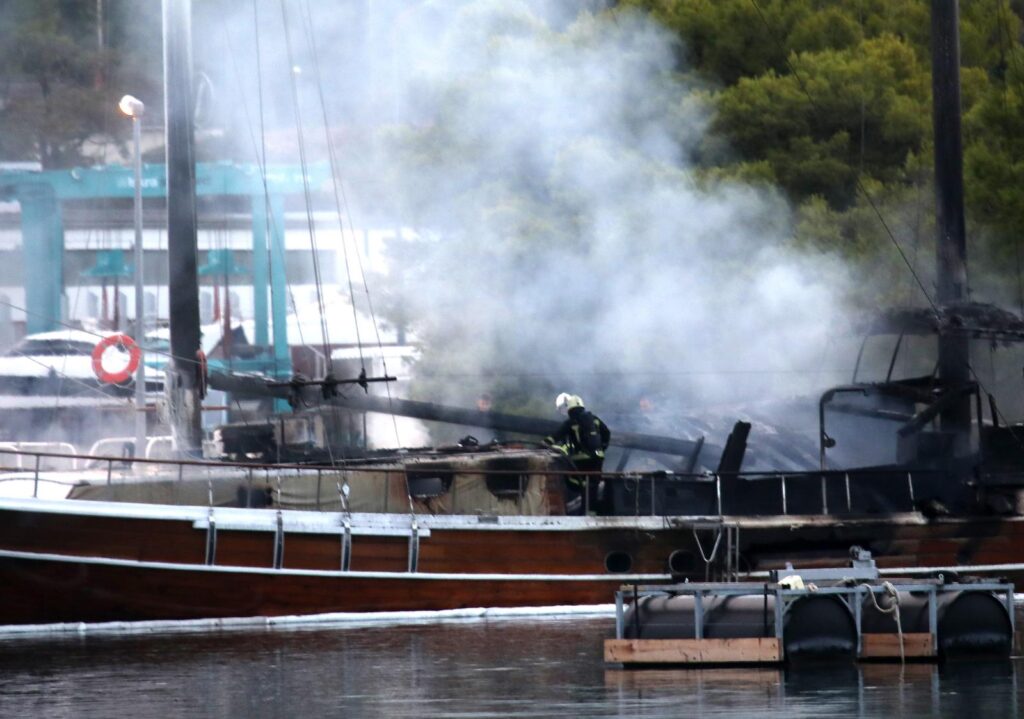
(134, 108)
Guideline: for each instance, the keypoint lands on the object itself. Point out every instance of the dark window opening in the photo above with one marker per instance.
(681, 562)
(427, 483)
(618, 562)
(510, 479)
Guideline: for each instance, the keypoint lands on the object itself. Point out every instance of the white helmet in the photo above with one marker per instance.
(565, 401)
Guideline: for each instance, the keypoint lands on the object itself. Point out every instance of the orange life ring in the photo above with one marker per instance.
(134, 354)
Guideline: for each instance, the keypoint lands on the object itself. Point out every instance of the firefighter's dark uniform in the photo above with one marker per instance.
(585, 438)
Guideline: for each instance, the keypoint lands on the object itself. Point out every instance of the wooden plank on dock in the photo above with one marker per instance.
(752, 650)
(887, 646)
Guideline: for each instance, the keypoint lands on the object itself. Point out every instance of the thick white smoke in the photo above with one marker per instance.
(546, 156)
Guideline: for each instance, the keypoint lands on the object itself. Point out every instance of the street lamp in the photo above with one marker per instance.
(134, 108)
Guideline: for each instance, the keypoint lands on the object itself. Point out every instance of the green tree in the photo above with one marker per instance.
(994, 164)
(878, 251)
(727, 39)
(817, 93)
(840, 115)
(52, 98)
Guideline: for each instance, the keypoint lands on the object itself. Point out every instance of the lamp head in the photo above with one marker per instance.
(131, 106)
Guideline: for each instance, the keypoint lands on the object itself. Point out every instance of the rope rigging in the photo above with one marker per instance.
(307, 193)
(344, 213)
(338, 189)
(271, 228)
(329, 386)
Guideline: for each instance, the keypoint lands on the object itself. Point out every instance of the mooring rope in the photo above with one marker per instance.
(700, 548)
(894, 610)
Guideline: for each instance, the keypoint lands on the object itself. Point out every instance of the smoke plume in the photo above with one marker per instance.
(565, 239)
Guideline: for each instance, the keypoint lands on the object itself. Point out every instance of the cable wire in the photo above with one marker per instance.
(344, 212)
(333, 161)
(307, 193)
(271, 227)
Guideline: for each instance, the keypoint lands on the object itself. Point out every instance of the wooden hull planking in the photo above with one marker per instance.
(40, 589)
(117, 562)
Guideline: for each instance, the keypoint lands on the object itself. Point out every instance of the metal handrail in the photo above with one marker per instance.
(640, 478)
(397, 459)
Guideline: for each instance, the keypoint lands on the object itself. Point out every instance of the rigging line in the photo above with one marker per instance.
(261, 149)
(333, 161)
(634, 372)
(341, 201)
(380, 347)
(226, 320)
(160, 246)
(917, 222)
(241, 412)
(261, 152)
(860, 186)
(306, 18)
(293, 83)
(261, 157)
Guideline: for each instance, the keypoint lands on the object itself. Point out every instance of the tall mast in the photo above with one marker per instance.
(951, 244)
(183, 286)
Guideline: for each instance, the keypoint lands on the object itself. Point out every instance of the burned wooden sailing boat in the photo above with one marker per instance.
(485, 526)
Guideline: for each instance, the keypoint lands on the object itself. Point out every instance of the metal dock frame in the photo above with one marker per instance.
(646, 651)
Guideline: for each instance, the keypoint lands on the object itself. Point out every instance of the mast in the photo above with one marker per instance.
(951, 244)
(183, 286)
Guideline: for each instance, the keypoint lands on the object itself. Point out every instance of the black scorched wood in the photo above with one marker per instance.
(254, 385)
(183, 282)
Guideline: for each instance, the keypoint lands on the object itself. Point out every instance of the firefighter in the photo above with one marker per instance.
(583, 437)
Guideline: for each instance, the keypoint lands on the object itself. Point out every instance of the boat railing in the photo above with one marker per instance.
(654, 493)
(158, 447)
(41, 455)
(815, 492)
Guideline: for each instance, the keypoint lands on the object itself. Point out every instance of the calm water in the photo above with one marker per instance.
(504, 668)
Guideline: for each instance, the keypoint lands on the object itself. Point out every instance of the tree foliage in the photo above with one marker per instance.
(994, 158)
(52, 98)
(825, 99)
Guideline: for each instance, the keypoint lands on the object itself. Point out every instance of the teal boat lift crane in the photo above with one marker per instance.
(40, 194)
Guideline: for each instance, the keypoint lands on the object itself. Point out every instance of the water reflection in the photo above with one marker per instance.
(863, 690)
(507, 668)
